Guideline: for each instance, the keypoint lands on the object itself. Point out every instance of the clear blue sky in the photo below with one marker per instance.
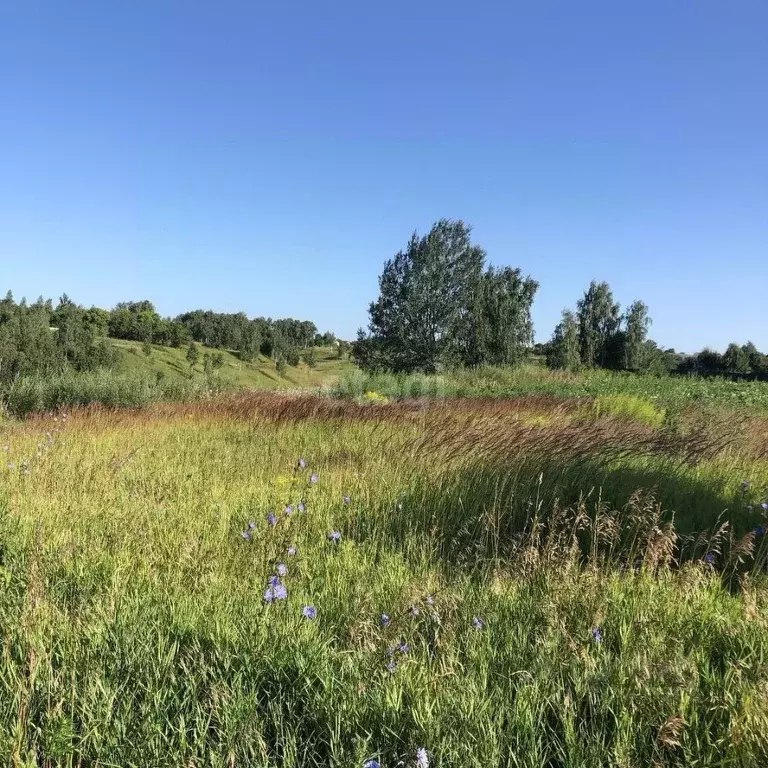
(270, 156)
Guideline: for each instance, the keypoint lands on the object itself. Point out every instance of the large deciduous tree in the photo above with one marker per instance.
(637, 322)
(437, 308)
(599, 319)
(563, 350)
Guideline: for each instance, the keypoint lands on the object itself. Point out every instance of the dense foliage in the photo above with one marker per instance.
(438, 308)
(597, 335)
(36, 338)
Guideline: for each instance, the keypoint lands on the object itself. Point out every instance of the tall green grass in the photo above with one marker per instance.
(102, 387)
(541, 634)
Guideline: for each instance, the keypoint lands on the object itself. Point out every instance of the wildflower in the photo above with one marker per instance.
(334, 536)
(372, 764)
(291, 550)
(275, 591)
(745, 485)
(478, 623)
(597, 635)
(313, 478)
(289, 510)
(422, 759)
(430, 600)
(282, 569)
(347, 500)
(302, 464)
(309, 611)
(301, 506)
(392, 667)
(271, 519)
(764, 506)
(247, 535)
(252, 524)
(709, 558)
(760, 530)
(404, 647)
(384, 620)
(391, 650)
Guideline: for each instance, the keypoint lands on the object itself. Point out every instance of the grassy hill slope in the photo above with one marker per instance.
(260, 374)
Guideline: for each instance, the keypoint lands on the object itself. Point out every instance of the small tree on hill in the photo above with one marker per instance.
(193, 354)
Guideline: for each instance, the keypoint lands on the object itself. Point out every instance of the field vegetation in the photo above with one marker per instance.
(269, 579)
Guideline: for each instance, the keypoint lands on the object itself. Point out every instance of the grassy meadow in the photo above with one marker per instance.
(266, 579)
(138, 380)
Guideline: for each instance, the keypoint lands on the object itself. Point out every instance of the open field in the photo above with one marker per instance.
(669, 392)
(563, 585)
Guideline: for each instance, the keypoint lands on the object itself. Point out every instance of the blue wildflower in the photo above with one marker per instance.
(404, 647)
(760, 530)
(392, 666)
(252, 524)
(282, 569)
(289, 510)
(273, 581)
(422, 759)
(478, 623)
(391, 650)
(271, 519)
(334, 536)
(384, 620)
(247, 535)
(302, 464)
(430, 600)
(291, 550)
(275, 591)
(301, 506)
(764, 506)
(372, 764)
(313, 478)
(597, 635)
(309, 611)
(709, 558)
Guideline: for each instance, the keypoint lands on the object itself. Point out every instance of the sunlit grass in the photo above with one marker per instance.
(135, 630)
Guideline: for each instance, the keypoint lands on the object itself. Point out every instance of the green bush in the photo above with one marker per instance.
(629, 408)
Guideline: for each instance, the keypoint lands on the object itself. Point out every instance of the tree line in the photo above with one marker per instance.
(41, 338)
(440, 307)
(598, 335)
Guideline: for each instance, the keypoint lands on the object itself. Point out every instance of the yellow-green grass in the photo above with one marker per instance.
(135, 631)
(258, 374)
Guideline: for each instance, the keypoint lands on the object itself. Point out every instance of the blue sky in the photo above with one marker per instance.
(270, 157)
